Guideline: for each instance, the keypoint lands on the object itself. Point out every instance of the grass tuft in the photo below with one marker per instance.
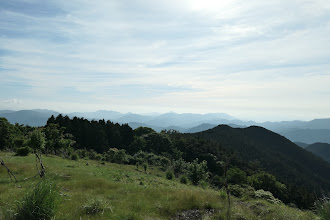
(40, 203)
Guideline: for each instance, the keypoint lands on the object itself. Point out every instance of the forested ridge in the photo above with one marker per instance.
(254, 156)
(277, 154)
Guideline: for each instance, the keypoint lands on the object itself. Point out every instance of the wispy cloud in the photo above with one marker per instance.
(255, 59)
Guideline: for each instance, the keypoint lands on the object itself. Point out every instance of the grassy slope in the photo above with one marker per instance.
(125, 192)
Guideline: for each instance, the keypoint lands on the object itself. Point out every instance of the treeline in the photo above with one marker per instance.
(94, 135)
(183, 156)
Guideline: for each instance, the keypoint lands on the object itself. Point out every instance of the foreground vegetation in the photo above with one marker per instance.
(89, 189)
(98, 169)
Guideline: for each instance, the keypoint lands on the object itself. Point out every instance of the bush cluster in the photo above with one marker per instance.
(266, 195)
(23, 151)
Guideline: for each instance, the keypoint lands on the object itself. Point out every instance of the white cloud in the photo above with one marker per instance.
(13, 101)
(249, 58)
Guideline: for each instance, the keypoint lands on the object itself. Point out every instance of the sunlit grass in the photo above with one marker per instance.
(117, 191)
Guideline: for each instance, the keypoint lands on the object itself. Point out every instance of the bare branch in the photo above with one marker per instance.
(8, 170)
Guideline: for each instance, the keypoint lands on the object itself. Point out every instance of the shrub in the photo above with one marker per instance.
(217, 181)
(266, 195)
(22, 151)
(74, 156)
(82, 153)
(92, 154)
(268, 182)
(169, 175)
(179, 167)
(323, 208)
(197, 172)
(241, 191)
(236, 190)
(40, 203)
(184, 179)
(236, 176)
(115, 155)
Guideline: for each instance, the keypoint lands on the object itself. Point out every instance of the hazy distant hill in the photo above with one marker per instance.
(135, 125)
(276, 154)
(308, 136)
(320, 149)
(300, 144)
(130, 117)
(5, 111)
(199, 128)
(101, 114)
(186, 120)
(207, 126)
(35, 117)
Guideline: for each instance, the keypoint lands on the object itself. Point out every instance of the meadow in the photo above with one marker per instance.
(99, 190)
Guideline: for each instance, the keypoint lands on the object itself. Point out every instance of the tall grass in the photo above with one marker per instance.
(39, 203)
(323, 208)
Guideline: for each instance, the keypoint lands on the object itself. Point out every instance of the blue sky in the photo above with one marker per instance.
(259, 60)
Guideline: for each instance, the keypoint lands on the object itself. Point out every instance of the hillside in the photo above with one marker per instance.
(320, 149)
(277, 155)
(97, 190)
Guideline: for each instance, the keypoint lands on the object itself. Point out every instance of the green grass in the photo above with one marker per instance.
(39, 203)
(114, 191)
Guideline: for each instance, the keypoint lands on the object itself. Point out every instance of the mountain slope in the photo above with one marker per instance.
(320, 149)
(277, 155)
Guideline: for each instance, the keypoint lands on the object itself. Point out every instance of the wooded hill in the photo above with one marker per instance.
(276, 154)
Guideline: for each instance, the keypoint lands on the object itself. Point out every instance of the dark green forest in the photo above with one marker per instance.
(246, 157)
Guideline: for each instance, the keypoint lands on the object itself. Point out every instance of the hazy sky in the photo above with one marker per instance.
(256, 59)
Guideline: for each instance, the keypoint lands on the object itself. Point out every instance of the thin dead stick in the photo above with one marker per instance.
(9, 171)
(42, 171)
(226, 186)
(31, 177)
(37, 164)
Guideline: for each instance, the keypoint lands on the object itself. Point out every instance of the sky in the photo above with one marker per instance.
(257, 60)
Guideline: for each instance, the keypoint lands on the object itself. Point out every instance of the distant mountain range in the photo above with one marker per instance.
(308, 132)
(308, 136)
(36, 117)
